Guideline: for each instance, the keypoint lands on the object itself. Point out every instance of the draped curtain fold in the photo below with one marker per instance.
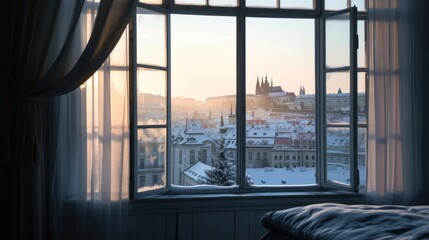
(397, 146)
(47, 49)
(92, 154)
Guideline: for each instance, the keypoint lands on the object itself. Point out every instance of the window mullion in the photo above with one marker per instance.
(320, 102)
(354, 174)
(169, 165)
(133, 103)
(241, 94)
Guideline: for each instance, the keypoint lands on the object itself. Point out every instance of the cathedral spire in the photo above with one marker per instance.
(258, 86)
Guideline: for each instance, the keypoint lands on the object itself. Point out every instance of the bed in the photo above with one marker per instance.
(338, 221)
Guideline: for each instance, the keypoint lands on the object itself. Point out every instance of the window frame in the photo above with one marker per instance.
(167, 8)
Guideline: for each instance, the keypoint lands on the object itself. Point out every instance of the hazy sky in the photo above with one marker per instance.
(203, 62)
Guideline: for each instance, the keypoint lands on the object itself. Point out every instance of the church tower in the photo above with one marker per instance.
(302, 90)
(258, 87)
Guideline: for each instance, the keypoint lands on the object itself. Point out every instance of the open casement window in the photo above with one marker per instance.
(150, 74)
(282, 130)
(338, 101)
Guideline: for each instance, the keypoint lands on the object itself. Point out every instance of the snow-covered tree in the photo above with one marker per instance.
(223, 172)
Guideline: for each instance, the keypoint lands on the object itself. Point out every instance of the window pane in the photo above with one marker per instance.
(203, 88)
(338, 154)
(158, 2)
(224, 3)
(151, 38)
(338, 41)
(191, 2)
(151, 100)
(362, 109)
(280, 102)
(151, 159)
(362, 46)
(338, 97)
(262, 3)
(335, 4)
(360, 4)
(297, 4)
(362, 141)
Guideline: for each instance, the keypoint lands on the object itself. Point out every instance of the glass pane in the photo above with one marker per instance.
(335, 4)
(224, 3)
(338, 154)
(151, 38)
(297, 4)
(280, 102)
(262, 3)
(203, 89)
(362, 109)
(338, 41)
(362, 44)
(360, 4)
(338, 97)
(151, 96)
(158, 2)
(151, 159)
(362, 141)
(191, 2)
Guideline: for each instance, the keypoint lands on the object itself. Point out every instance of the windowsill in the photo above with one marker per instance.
(239, 201)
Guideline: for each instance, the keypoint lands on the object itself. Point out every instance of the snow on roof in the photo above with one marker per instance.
(260, 142)
(262, 133)
(299, 176)
(336, 140)
(197, 172)
(191, 139)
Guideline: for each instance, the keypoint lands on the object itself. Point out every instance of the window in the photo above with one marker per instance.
(232, 84)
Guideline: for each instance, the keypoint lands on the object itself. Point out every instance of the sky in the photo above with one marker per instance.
(203, 54)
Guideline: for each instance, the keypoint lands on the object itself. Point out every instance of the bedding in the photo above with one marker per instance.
(338, 221)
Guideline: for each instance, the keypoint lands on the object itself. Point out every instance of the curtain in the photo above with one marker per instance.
(91, 172)
(47, 49)
(398, 114)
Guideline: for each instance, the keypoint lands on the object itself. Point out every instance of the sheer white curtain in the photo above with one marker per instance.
(91, 178)
(397, 152)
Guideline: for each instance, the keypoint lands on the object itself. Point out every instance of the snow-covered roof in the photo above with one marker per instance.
(299, 176)
(197, 172)
(260, 142)
(261, 133)
(337, 140)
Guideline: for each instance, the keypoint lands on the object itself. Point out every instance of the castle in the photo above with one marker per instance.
(263, 88)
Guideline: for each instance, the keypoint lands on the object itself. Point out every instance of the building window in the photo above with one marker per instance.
(254, 87)
(154, 180)
(204, 156)
(192, 157)
(142, 181)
